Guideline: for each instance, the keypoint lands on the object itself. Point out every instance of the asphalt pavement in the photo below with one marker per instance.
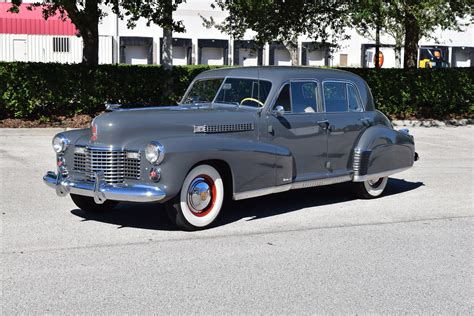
(308, 251)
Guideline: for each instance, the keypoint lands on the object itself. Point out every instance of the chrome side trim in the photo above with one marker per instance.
(360, 161)
(358, 178)
(261, 192)
(101, 191)
(292, 186)
(321, 182)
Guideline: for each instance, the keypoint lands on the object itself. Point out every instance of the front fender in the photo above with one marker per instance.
(252, 163)
(382, 151)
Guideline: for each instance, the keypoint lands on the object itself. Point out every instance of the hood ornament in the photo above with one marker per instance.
(112, 106)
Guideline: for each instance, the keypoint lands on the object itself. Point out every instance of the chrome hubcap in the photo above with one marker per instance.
(199, 195)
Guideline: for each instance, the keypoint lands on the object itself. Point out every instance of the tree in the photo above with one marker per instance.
(283, 21)
(422, 17)
(407, 21)
(86, 15)
(370, 18)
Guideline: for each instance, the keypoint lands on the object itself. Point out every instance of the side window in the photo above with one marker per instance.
(335, 96)
(303, 97)
(284, 98)
(354, 105)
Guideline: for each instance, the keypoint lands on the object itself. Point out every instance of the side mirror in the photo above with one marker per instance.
(279, 110)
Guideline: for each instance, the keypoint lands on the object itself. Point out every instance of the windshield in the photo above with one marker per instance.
(203, 91)
(249, 92)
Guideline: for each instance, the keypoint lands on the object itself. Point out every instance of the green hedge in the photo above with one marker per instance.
(39, 90)
(427, 93)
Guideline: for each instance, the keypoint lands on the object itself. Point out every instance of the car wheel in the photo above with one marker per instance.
(370, 189)
(87, 204)
(200, 200)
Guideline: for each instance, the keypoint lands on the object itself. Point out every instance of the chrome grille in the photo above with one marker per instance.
(224, 128)
(115, 165)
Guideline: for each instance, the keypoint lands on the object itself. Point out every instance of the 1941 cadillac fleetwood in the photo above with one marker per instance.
(237, 133)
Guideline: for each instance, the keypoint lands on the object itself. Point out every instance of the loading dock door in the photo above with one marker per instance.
(212, 56)
(136, 55)
(247, 57)
(282, 57)
(179, 56)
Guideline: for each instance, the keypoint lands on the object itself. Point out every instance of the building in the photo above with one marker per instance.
(27, 37)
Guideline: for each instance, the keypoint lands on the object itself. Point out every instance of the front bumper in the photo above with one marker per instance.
(101, 191)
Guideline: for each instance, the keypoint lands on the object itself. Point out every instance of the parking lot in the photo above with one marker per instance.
(307, 251)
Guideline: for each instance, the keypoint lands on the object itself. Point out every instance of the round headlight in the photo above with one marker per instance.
(155, 153)
(60, 143)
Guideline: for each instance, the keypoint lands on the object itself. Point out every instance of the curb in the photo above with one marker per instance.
(433, 123)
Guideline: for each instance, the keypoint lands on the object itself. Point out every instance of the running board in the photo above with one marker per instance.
(292, 186)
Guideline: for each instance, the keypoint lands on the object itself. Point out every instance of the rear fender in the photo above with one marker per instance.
(382, 151)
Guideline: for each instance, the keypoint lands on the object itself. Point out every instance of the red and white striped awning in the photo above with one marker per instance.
(32, 22)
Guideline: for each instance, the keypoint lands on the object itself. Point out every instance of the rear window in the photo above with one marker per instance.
(341, 97)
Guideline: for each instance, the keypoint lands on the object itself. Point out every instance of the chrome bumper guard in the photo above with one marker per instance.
(101, 191)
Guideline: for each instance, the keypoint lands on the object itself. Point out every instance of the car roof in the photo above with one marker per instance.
(279, 73)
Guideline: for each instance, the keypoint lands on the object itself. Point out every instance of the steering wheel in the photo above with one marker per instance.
(251, 99)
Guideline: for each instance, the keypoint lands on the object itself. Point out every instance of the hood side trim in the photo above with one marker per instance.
(224, 128)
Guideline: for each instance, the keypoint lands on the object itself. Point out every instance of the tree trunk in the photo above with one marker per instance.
(377, 38)
(412, 36)
(294, 56)
(90, 50)
(292, 48)
(167, 51)
(87, 23)
(167, 57)
(377, 47)
(398, 56)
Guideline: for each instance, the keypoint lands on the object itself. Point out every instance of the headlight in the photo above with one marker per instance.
(155, 153)
(60, 143)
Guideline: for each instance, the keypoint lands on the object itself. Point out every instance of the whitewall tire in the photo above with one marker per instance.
(200, 200)
(370, 189)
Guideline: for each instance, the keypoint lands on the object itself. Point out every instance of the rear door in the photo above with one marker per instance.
(298, 130)
(344, 112)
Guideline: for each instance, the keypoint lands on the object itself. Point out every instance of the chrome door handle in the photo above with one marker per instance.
(323, 123)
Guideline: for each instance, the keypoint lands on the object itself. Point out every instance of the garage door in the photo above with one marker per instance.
(136, 55)
(212, 56)
(282, 57)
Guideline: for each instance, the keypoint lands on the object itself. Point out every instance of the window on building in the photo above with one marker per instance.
(343, 60)
(60, 44)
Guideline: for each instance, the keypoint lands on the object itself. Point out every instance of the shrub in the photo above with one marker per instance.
(43, 90)
(429, 93)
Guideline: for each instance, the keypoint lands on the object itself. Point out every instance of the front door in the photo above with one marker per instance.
(347, 121)
(19, 50)
(298, 130)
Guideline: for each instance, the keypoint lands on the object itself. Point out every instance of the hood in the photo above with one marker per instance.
(131, 128)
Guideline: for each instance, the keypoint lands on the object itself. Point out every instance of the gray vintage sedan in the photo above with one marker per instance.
(238, 133)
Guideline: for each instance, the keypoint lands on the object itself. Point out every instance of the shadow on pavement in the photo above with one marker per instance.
(153, 216)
